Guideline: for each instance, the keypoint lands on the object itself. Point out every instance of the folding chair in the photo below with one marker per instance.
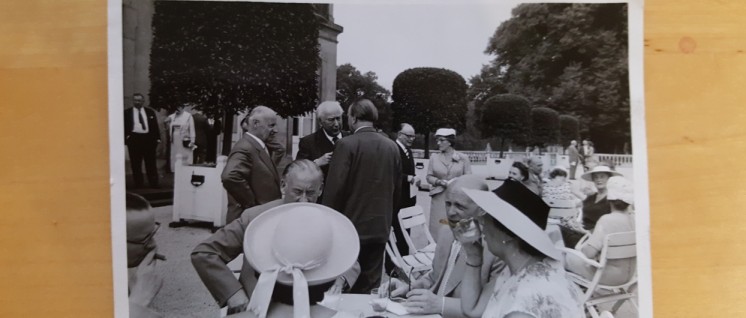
(616, 246)
(414, 217)
(411, 265)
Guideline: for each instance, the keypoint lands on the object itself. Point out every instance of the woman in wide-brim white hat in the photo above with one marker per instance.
(595, 204)
(513, 228)
(444, 167)
(299, 249)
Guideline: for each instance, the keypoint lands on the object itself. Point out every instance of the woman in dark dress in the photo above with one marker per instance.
(596, 205)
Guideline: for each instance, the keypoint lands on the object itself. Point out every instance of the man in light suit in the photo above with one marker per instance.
(318, 146)
(439, 291)
(301, 182)
(364, 184)
(574, 158)
(250, 176)
(141, 135)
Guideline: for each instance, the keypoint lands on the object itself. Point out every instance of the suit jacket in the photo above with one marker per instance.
(154, 134)
(315, 145)
(573, 154)
(200, 129)
(491, 268)
(210, 258)
(250, 177)
(407, 167)
(364, 183)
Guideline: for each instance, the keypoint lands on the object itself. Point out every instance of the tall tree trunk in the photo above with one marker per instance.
(227, 132)
(502, 144)
(427, 144)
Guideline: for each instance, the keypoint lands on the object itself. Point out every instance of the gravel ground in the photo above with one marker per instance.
(184, 295)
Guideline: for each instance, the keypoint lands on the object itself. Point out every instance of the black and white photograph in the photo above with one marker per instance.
(378, 159)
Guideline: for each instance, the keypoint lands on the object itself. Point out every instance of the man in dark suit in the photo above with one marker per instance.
(574, 158)
(200, 136)
(318, 146)
(214, 128)
(404, 140)
(250, 176)
(141, 135)
(364, 184)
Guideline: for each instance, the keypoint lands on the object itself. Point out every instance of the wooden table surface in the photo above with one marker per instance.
(54, 194)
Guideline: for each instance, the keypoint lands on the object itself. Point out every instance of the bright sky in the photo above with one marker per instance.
(390, 38)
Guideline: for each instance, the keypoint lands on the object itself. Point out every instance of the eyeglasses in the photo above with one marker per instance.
(408, 135)
(148, 238)
(440, 140)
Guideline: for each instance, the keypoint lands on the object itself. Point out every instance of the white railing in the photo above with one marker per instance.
(551, 159)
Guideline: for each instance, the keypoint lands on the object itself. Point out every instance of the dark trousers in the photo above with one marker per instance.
(142, 148)
(371, 265)
(200, 155)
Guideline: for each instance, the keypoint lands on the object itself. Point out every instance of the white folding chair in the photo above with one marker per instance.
(411, 218)
(413, 265)
(616, 246)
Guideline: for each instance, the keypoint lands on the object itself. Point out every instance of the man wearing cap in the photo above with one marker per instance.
(301, 183)
(364, 184)
(318, 146)
(250, 176)
(439, 291)
(141, 135)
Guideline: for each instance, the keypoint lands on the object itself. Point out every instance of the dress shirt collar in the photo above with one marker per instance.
(261, 143)
(356, 130)
(402, 146)
(339, 136)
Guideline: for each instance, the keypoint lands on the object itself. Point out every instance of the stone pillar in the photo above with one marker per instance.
(137, 18)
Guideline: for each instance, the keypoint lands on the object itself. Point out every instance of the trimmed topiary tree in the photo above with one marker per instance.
(544, 127)
(507, 117)
(429, 98)
(227, 56)
(569, 129)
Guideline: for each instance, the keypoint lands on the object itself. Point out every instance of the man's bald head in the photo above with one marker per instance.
(458, 205)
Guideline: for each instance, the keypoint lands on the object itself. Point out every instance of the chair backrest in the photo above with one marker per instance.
(620, 245)
(410, 218)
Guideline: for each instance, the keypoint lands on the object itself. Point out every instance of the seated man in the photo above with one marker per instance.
(143, 283)
(301, 182)
(438, 291)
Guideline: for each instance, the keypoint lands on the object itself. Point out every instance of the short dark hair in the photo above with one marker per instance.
(136, 202)
(618, 205)
(522, 168)
(364, 109)
(523, 245)
(557, 172)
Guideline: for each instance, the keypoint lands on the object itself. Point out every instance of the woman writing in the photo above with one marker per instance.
(443, 167)
(535, 283)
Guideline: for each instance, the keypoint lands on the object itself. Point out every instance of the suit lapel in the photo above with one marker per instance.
(325, 143)
(264, 156)
(455, 279)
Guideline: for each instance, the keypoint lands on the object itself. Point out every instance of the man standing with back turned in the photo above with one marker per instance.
(364, 184)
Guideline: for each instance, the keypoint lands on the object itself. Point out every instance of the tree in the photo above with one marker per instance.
(227, 56)
(544, 127)
(568, 57)
(569, 129)
(353, 85)
(429, 98)
(507, 117)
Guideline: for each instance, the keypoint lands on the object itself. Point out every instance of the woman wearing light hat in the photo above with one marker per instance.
(299, 249)
(618, 271)
(535, 283)
(596, 205)
(444, 167)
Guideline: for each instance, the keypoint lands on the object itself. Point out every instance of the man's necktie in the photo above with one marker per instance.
(142, 118)
(334, 139)
(409, 153)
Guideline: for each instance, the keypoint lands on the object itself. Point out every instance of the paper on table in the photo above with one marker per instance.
(396, 308)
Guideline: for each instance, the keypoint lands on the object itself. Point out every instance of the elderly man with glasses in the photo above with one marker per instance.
(142, 258)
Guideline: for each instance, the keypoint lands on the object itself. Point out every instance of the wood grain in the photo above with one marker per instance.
(54, 226)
